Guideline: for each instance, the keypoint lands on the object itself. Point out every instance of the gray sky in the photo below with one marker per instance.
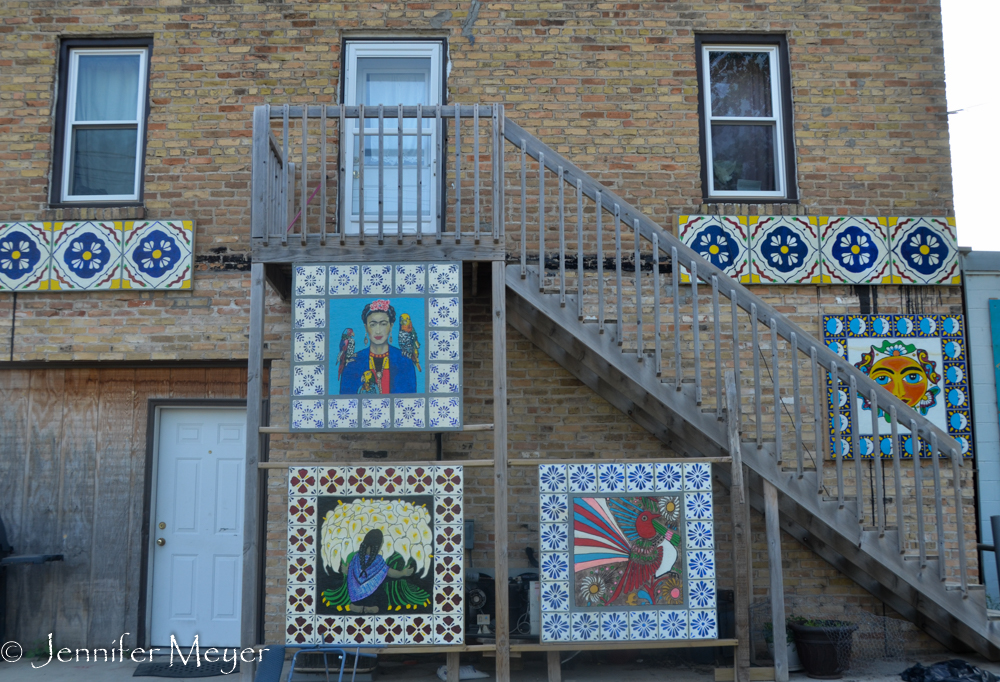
(970, 36)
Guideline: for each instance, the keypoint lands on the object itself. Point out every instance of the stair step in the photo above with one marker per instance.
(847, 498)
(916, 557)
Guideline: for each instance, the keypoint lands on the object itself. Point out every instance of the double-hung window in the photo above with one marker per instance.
(746, 133)
(390, 74)
(100, 127)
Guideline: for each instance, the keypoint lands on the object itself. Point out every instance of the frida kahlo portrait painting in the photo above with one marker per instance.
(380, 366)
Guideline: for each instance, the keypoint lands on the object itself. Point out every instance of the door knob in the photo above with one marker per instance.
(160, 542)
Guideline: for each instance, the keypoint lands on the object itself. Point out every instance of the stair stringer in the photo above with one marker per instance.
(674, 418)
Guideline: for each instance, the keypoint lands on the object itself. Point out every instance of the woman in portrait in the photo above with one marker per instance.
(379, 368)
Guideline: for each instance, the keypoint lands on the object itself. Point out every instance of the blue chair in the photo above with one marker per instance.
(273, 660)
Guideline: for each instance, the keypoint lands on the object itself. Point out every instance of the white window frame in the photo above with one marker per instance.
(392, 50)
(70, 123)
(776, 121)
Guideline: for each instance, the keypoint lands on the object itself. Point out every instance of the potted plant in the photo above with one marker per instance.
(794, 664)
(824, 646)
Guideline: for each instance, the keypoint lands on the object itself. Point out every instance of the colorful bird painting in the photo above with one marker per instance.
(409, 343)
(628, 531)
(368, 384)
(346, 351)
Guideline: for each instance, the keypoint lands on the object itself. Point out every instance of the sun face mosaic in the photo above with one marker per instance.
(377, 347)
(627, 552)
(375, 555)
(919, 358)
(96, 255)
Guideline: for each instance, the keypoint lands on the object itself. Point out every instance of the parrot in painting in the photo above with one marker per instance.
(624, 530)
(368, 383)
(408, 343)
(346, 351)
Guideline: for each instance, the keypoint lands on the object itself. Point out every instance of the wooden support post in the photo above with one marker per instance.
(453, 662)
(555, 667)
(251, 497)
(500, 467)
(777, 584)
(738, 499)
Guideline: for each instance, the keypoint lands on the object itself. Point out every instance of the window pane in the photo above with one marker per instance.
(390, 182)
(743, 158)
(103, 162)
(741, 83)
(107, 87)
(392, 81)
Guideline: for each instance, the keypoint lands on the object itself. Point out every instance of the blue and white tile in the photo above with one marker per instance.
(586, 626)
(855, 250)
(583, 478)
(445, 413)
(698, 476)
(308, 380)
(444, 278)
(554, 537)
(444, 378)
(643, 625)
(309, 313)
(611, 478)
(697, 506)
(408, 413)
(669, 477)
(343, 413)
(673, 624)
(309, 346)
(24, 256)
(555, 596)
(411, 278)
(554, 507)
(157, 254)
(785, 250)
(925, 251)
(640, 478)
(444, 312)
(555, 627)
(376, 280)
(704, 624)
(375, 413)
(555, 566)
(445, 345)
(307, 414)
(700, 564)
(724, 241)
(88, 255)
(552, 478)
(700, 535)
(345, 280)
(701, 594)
(614, 626)
(310, 280)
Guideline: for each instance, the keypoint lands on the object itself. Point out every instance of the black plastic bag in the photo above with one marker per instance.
(955, 670)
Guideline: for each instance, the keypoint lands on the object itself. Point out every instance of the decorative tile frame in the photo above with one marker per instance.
(785, 250)
(941, 337)
(924, 251)
(855, 250)
(577, 529)
(313, 614)
(93, 255)
(327, 333)
(724, 241)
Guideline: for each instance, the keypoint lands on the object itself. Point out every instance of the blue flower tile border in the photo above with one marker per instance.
(937, 343)
(95, 255)
(692, 616)
(826, 250)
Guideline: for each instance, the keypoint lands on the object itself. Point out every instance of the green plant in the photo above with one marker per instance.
(819, 622)
(38, 650)
(769, 632)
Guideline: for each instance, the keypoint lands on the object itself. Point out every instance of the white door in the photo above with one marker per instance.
(197, 528)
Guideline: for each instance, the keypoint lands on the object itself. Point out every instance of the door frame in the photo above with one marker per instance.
(154, 408)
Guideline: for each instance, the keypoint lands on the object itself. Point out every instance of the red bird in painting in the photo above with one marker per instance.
(346, 351)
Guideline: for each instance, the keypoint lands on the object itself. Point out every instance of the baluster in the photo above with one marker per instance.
(819, 423)
(757, 387)
(775, 386)
(796, 408)
(696, 333)
(420, 174)
(524, 211)
(838, 445)
(399, 166)
(579, 249)
(361, 173)
(618, 271)
(734, 305)
(956, 464)
(938, 511)
(600, 266)
(638, 290)
(475, 168)
(562, 239)
(458, 185)
(285, 169)
(675, 268)
(900, 521)
(877, 463)
(381, 173)
(918, 482)
(500, 230)
(656, 304)
(322, 175)
(856, 450)
(716, 324)
(343, 141)
(438, 172)
(541, 221)
(304, 197)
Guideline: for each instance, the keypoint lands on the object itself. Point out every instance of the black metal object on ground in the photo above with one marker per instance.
(178, 670)
(8, 558)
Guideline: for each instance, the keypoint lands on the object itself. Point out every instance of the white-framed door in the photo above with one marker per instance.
(390, 74)
(196, 533)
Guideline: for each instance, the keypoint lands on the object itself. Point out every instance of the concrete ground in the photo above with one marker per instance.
(631, 666)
